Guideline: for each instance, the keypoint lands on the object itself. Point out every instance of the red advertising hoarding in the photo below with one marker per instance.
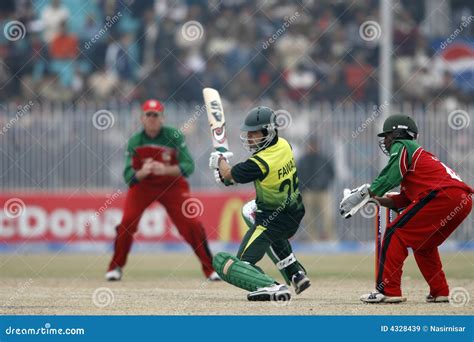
(44, 217)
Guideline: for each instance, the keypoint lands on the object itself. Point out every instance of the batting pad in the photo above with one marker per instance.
(239, 273)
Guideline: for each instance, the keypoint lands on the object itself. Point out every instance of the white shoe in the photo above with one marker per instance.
(437, 299)
(377, 297)
(277, 292)
(114, 275)
(300, 282)
(214, 277)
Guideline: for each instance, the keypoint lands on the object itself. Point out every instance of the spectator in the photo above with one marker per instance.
(315, 174)
(288, 52)
(103, 84)
(64, 45)
(357, 74)
(147, 43)
(52, 17)
(117, 58)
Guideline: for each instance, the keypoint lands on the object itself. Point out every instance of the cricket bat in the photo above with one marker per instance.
(216, 118)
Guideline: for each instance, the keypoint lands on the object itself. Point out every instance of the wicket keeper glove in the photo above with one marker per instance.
(354, 200)
(216, 157)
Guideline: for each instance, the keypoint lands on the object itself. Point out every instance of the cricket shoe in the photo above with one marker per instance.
(377, 297)
(300, 282)
(214, 277)
(277, 292)
(437, 299)
(114, 275)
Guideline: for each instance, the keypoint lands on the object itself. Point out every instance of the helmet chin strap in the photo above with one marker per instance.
(394, 136)
(383, 147)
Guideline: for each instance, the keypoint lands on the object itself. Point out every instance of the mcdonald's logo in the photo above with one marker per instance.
(231, 208)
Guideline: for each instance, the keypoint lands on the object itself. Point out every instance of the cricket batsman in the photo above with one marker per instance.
(273, 217)
(157, 162)
(434, 201)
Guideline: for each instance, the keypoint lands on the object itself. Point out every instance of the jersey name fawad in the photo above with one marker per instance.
(286, 169)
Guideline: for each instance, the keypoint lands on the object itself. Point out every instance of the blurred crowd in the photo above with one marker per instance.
(303, 51)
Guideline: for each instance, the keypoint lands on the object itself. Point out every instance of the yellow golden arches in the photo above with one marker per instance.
(232, 207)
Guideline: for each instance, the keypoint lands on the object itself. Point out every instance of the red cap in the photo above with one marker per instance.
(153, 106)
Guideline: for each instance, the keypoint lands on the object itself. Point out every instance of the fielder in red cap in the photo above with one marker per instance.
(157, 162)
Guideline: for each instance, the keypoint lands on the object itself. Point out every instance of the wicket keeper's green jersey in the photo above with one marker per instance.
(391, 176)
(273, 171)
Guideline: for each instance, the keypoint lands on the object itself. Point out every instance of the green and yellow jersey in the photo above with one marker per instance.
(273, 171)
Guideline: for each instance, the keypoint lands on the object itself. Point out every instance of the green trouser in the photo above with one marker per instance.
(271, 237)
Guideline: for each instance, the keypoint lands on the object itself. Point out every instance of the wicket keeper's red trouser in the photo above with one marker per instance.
(423, 226)
(171, 196)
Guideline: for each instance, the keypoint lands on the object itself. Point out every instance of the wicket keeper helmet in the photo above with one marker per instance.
(398, 126)
(259, 119)
(399, 123)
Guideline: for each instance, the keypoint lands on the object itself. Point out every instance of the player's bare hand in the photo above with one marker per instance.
(146, 170)
(158, 169)
(216, 157)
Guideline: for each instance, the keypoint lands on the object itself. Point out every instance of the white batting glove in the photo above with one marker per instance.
(216, 157)
(220, 180)
(354, 200)
(249, 211)
(218, 177)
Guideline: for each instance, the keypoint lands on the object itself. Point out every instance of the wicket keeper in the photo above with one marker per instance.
(156, 165)
(273, 217)
(434, 201)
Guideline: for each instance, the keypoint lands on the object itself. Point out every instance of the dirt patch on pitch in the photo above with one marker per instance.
(196, 297)
(172, 284)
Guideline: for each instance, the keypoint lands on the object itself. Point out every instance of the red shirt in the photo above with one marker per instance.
(424, 174)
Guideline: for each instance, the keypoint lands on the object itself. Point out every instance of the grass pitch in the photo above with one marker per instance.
(172, 284)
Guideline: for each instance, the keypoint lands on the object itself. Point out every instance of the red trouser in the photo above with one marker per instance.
(423, 226)
(171, 196)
